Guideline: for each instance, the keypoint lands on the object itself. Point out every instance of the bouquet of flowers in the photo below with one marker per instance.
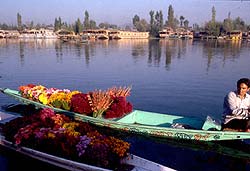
(57, 134)
(111, 103)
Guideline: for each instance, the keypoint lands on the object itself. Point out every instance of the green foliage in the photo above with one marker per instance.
(92, 24)
(136, 19)
(140, 24)
(19, 21)
(86, 22)
(186, 22)
(156, 23)
(170, 22)
(78, 26)
(182, 19)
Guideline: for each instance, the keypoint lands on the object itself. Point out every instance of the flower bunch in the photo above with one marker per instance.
(71, 127)
(11, 128)
(24, 134)
(99, 102)
(105, 150)
(56, 134)
(24, 88)
(82, 145)
(80, 104)
(44, 96)
(119, 91)
(32, 92)
(118, 108)
(48, 118)
(118, 146)
(60, 100)
(109, 104)
(55, 141)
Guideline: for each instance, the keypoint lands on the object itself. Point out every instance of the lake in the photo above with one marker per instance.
(184, 77)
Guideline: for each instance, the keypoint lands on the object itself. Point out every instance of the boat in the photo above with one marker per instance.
(130, 162)
(151, 124)
(236, 149)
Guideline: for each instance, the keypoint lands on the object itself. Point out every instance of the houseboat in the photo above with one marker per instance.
(128, 35)
(38, 34)
(165, 33)
(179, 33)
(234, 35)
(65, 35)
(9, 34)
(96, 33)
(114, 34)
(2, 34)
(49, 34)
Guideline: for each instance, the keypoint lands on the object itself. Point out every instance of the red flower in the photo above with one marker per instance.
(80, 104)
(119, 108)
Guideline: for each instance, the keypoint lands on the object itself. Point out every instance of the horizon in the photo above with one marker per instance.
(120, 13)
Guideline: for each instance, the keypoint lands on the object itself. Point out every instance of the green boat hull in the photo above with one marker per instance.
(150, 123)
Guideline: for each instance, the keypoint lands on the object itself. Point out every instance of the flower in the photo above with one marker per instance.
(70, 139)
(108, 104)
(99, 102)
(80, 104)
(118, 108)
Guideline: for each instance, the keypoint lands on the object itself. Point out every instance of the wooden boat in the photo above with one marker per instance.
(131, 162)
(152, 123)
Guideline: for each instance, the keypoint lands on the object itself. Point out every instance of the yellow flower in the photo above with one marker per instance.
(43, 98)
(51, 135)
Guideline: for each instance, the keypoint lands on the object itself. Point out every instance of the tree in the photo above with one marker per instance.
(213, 27)
(136, 19)
(56, 25)
(239, 24)
(19, 21)
(142, 25)
(104, 25)
(60, 23)
(227, 24)
(159, 20)
(86, 22)
(186, 22)
(92, 24)
(151, 24)
(213, 14)
(156, 23)
(196, 27)
(182, 19)
(170, 22)
(78, 26)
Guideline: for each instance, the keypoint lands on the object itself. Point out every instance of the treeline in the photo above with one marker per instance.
(155, 24)
(212, 27)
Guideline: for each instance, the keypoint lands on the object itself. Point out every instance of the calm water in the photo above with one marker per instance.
(170, 76)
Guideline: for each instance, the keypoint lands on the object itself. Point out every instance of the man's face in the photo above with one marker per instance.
(243, 89)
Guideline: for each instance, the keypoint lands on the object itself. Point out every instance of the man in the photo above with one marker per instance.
(236, 113)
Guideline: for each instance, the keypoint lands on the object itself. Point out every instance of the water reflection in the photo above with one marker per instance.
(221, 49)
(155, 52)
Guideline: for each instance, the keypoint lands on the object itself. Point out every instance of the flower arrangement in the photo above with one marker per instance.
(111, 103)
(58, 135)
(80, 104)
(99, 101)
(118, 108)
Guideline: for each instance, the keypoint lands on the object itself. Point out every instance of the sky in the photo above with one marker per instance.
(119, 12)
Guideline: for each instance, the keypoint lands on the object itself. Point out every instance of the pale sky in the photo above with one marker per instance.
(119, 12)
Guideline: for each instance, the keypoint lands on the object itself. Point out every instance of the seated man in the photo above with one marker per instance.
(236, 113)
